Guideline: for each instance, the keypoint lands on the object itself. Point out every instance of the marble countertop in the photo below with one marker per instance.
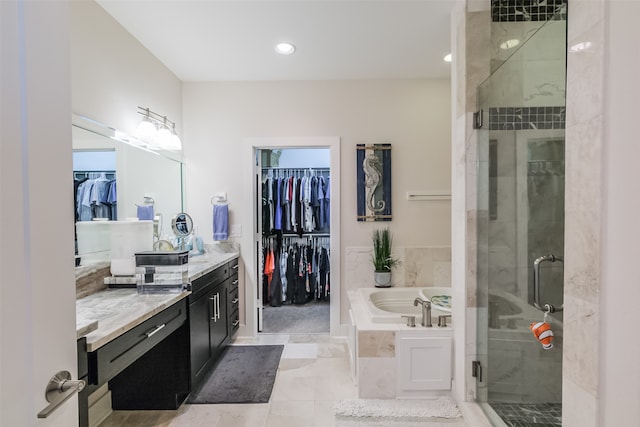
(107, 314)
(202, 264)
(118, 311)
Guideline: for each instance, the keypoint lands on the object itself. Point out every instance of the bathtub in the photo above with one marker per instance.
(389, 305)
(384, 351)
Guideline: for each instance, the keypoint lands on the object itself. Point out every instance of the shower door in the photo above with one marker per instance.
(520, 218)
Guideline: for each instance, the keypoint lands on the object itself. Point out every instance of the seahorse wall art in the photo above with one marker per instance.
(373, 170)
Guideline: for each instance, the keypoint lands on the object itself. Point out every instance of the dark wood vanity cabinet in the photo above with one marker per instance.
(210, 312)
(233, 302)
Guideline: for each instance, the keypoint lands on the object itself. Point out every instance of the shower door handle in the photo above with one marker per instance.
(536, 284)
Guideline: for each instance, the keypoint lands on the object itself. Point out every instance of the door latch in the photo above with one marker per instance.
(59, 389)
(476, 370)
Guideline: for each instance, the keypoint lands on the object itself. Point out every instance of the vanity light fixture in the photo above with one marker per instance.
(157, 131)
(285, 48)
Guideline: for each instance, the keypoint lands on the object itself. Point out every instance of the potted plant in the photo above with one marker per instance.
(381, 258)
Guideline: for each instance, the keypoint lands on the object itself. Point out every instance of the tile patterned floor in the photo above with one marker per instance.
(529, 415)
(313, 373)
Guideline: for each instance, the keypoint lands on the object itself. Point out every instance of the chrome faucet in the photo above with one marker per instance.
(426, 311)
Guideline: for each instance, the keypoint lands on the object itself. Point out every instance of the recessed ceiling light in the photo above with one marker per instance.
(447, 57)
(285, 48)
(511, 43)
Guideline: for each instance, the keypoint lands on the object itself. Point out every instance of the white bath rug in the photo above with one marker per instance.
(440, 408)
(390, 422)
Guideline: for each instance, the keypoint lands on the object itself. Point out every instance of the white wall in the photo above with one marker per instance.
(413, 115)
(619, 369)
(113, 74)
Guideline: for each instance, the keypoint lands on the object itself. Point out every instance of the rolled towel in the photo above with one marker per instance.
(145, 212)
(543, 333)
(220, 222)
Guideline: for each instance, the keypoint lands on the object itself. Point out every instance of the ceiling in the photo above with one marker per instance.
(211, 40)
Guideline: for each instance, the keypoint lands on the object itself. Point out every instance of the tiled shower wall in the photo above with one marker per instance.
(527, 10)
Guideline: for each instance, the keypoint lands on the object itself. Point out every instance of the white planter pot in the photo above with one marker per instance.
(382, 279)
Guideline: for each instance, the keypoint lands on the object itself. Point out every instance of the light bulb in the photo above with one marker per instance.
(174, 143)
(162, 138)
(146, 130)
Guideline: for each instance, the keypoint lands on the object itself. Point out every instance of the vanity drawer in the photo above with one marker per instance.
(234, 322)
(212, 278)
(111, 359)
(233, 299)
(233, 267)
(233, 283)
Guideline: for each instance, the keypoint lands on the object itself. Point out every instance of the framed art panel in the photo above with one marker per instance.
(373, 170)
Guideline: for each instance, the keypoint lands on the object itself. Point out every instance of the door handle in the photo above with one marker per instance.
(549, 308)
(59, 389)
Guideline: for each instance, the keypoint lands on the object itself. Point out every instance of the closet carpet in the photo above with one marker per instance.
(309, 318)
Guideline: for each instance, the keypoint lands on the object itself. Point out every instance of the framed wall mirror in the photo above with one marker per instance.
(133, 176)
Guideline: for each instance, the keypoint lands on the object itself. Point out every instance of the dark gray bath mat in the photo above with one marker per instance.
(244, 374)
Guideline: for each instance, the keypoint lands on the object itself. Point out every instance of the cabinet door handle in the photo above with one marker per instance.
(218, 305)
(213, 307)
(235, 301)
(154, 331)
(235, 282)
(235, 267)
(236, 323)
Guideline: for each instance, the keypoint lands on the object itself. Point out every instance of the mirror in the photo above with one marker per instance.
(142, 178)
(182, 225)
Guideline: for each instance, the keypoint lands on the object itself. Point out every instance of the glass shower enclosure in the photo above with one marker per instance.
(520, 230)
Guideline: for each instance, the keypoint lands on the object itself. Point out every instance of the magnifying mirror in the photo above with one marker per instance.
(182, 225)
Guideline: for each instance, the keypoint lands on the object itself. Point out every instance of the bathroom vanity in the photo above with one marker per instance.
(153, 349)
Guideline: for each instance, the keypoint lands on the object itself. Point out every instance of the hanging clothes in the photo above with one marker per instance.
(275, 285)
(95, 195)
(323, 269)
(294, 204)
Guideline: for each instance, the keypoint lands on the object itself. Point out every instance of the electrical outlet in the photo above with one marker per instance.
(236, 230)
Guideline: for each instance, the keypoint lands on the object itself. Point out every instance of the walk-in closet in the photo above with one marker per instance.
(294, 200)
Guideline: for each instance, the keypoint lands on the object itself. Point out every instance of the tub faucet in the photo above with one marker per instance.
(426, 311)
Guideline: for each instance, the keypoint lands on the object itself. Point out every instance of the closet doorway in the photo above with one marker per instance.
(295, 291)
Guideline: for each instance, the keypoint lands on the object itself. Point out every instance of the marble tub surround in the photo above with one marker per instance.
(419, 267)
(375, 353)
(119, 310)
(376, 344)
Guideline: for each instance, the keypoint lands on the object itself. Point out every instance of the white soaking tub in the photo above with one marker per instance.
(389, 305)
